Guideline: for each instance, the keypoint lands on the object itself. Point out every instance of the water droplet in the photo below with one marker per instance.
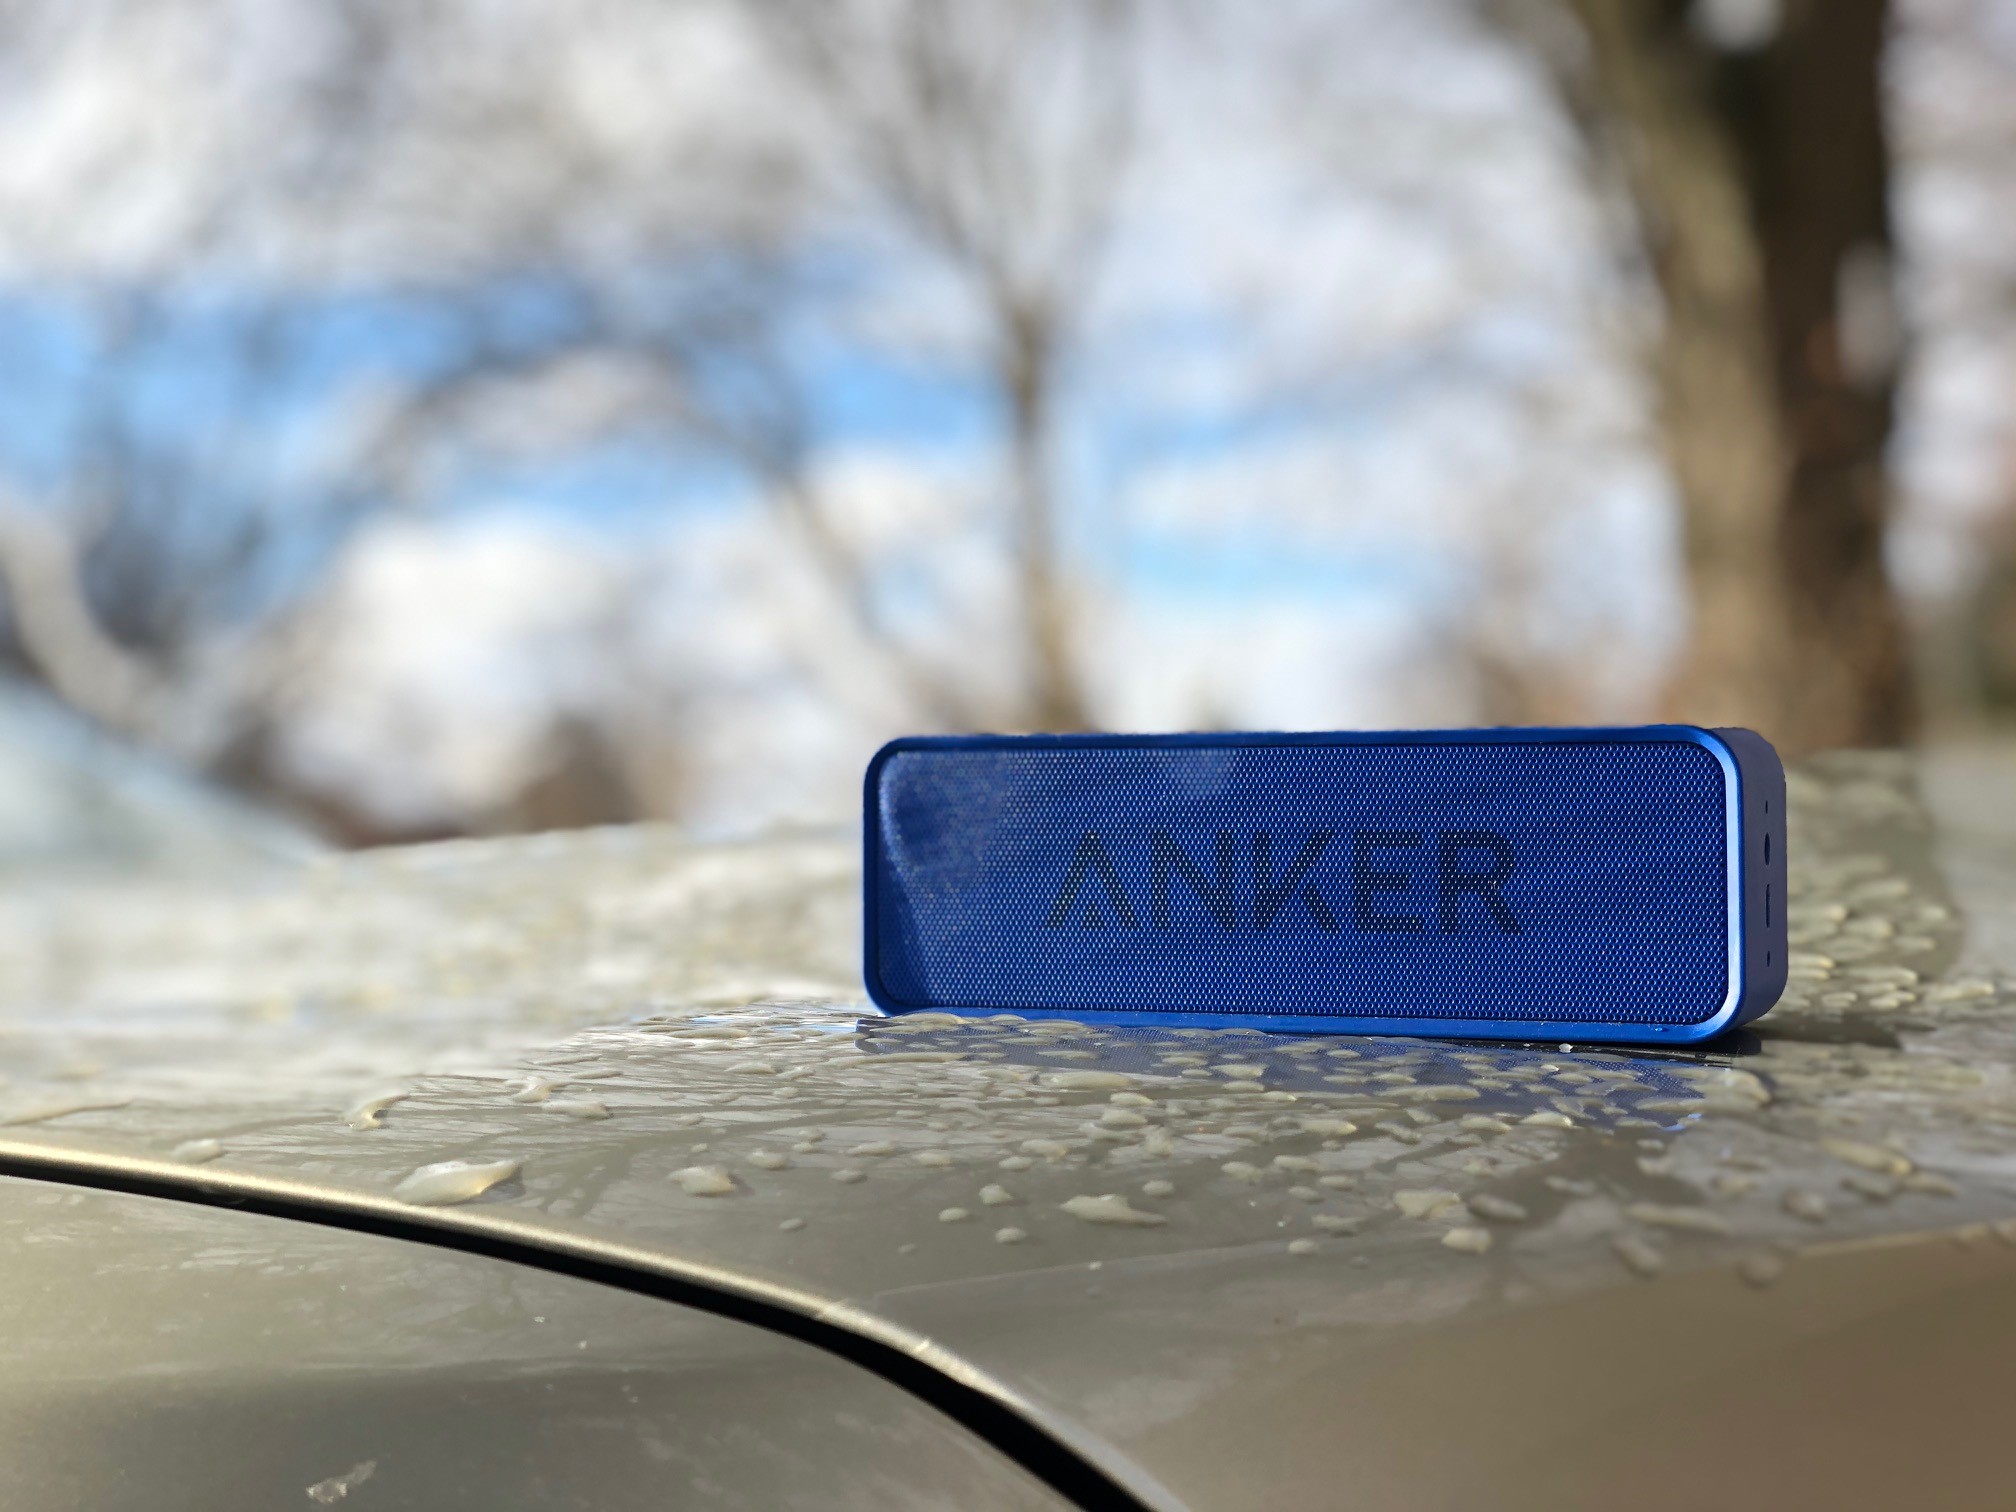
(1870, 1157)
(535, 1089)
(451, 1181)
(1240, 1170)
(1761, 1269)
(792, 1225)
(328, 1492)
(1338, 1181)
(1010, 1235)
(1015, 1162)
(1548, 1119)
(1424, 1203)
(1331, 1223)
(1329, 1128)
(1295, 1163)
(1810, 1206)
(769, 1160)
(1088, 1081)
(1158, 1188)
(1497, 1209)
(1693, 1220)
(1448, 1093)
(953, 1215)
(996, 1196)
(705, 1180)
(1471, 1241)
(932, 1158)
(1303, 1246)
(1641, 1255)
(1110, 1208)
(584, 1109)
(1242, 1086)
(62, 1107)
(847, 1177)
(1131, 1100)
(874, 1147)
(1122, 1118)
(1960, 991)
(196, 1151)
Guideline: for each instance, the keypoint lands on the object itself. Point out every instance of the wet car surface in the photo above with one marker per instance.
(1228, 1268)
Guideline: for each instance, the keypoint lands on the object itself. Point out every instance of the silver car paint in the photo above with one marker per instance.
(1238, 1270)
(160, 1355)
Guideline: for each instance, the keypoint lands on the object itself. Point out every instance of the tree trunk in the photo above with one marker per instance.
(1760, 178)
(1054, 699)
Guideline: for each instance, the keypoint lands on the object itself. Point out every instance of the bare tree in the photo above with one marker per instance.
(999, 135)
(995, 138)
(453, 156)
(1953, 78)
(1751, 145)
(144, 576)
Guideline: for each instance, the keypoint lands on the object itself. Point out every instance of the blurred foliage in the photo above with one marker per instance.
(456, 416)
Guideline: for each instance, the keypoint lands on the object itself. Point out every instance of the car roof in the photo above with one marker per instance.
(1171, 1250)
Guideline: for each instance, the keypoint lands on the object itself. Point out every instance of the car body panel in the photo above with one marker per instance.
(1833, 1182)
(166, 1355)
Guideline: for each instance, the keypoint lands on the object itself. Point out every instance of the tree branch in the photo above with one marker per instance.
(83, 665)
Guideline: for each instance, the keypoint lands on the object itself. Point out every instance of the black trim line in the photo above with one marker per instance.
(1059, 1467)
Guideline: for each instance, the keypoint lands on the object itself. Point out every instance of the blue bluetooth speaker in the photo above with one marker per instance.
(1523, 884)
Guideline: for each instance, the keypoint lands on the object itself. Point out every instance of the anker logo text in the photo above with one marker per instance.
(1472, 865)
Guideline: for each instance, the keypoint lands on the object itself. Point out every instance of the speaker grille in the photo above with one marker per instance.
(1504, 880)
